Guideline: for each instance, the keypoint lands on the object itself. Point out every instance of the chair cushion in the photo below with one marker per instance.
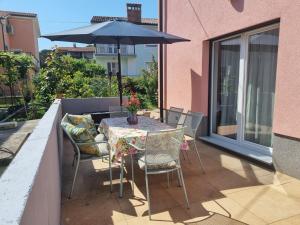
(100, 137)
(86, 120)
(103, 149)
(157, 162)
(80, 134)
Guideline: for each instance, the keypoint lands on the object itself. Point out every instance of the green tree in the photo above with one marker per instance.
(15, 69)
(69, 76)
(24, 64)
(145, 85)
(43, 55)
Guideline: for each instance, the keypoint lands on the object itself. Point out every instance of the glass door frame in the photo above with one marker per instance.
(241, 101)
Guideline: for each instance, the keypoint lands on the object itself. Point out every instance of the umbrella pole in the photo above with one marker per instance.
(119, 75)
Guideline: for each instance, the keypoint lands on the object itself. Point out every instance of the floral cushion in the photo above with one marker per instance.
(103, 149)
(80, 134)
(100, 137)
(86, 120)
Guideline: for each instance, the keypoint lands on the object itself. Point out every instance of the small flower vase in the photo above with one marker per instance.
(132, 118)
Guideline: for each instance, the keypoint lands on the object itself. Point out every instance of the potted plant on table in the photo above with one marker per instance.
(133, 106)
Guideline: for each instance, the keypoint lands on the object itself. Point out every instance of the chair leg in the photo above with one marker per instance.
(148, 195)
(121, 177)
(187, 156)
(74, 179)
(200, 161)
(182, 155)
(132, 174)
(110, 171)
(179, 179)
(168, 179)
(74, 158)
(184, 189)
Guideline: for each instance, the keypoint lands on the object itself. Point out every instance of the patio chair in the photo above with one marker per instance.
(161, 155)
(173, 116)
(118, 111)
(192, 123)
(81, 157)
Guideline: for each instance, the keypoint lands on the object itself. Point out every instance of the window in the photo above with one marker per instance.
(112, 67)
(112, 49)
(100, 49)
(123, 49)
(243, 87)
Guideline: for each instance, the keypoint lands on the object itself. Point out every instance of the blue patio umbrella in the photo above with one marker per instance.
(115, 32)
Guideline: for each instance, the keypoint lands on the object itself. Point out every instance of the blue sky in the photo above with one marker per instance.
(58, 15)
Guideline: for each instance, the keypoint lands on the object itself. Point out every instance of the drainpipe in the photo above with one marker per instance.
(2, 27)
(161, 74)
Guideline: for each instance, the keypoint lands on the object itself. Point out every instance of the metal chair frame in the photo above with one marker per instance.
(173, 112)
(78, 157)
(161, 171)
(199, 117)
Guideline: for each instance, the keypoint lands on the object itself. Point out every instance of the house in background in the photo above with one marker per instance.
(134, 58)
(78, 52)
(19, 32)
(241, 69)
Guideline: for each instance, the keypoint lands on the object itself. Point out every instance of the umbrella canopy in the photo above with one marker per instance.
(115, 32)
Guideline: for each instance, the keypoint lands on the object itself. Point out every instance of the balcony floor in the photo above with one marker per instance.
(233, 191)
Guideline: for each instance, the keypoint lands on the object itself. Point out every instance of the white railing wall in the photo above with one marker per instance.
(88, 105)
(30, 188)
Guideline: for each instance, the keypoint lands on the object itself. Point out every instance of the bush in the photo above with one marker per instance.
(75, 78)
(66, 75)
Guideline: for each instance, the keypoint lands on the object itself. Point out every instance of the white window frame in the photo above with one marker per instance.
(113, 67)
(244, 39)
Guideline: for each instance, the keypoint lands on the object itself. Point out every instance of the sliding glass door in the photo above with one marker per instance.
(243, 87)
(226, 81)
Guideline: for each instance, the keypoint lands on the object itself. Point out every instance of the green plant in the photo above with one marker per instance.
(9, 75)
(66, 75)
(85, 78)
(15, 69)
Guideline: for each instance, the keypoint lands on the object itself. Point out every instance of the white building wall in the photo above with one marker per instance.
(103, 60)
(132, 64)
(144, 55)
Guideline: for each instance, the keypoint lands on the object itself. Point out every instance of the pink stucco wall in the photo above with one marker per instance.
(25, 35)
(186, 72)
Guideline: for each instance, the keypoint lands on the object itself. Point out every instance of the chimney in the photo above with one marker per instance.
(134, 12)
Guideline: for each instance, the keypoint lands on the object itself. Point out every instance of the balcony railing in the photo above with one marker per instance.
(32, 181)
(112, 50)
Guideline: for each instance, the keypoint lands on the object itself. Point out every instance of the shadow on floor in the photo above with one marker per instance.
(92, 202)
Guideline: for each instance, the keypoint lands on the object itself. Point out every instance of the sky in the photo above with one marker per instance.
(59, 15)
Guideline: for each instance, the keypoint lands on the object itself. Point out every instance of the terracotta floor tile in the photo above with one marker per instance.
(197, 190)
(274, 178)
(294, 220)
(267, 203)
(236, 211)
(231, 188)
(290, 189)
(229, 181)
(201, 211)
